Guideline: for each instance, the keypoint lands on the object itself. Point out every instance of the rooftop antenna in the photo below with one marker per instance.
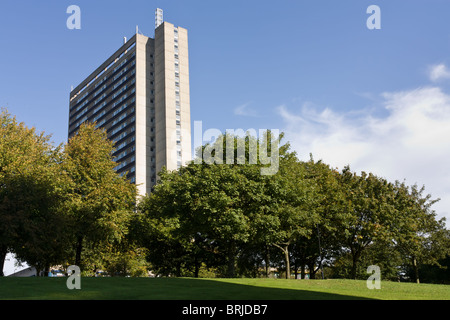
(158, 17)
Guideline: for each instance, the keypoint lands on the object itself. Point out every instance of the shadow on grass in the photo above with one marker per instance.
(153, 289)
(213, 289)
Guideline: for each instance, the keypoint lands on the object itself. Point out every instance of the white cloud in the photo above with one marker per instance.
(439, 72)
(411, 143)
(244, 110)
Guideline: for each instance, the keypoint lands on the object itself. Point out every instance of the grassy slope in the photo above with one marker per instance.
(211, 289)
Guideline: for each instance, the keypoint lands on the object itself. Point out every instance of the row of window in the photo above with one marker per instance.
(177, 98)
(96, 93)
(124, 153)
(122, 135)
(103, 104)
(124, 144)
(120, 109)
(124, 163)
(122, 126)
(85, 94)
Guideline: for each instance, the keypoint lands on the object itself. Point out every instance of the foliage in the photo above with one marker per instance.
(101, 202)
(31, 224)
(230, 217)
(235, 216)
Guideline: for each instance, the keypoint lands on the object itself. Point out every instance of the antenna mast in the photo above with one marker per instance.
(158, 17)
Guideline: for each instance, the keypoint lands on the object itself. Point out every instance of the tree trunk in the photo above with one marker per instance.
(79, 248)
(231, 270)
(196, 267)
(267, 260)
(416, 269)
(288, 266)
(355, 257)
(285, 250)
(178, 270)
(303, 267)
(46, 270)
(3, 253)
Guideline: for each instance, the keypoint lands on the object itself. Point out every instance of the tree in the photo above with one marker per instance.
(291, 205)
(323, 243)
(367, 212)
(29, 194)
(419, 236)
(101, 202)
(196, 214)
(205, 210)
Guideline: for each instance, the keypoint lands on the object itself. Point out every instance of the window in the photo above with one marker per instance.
(84, 96)
(121, 136)
(100, 123)
(99, 91)
(99, 115)
(101, 81)
(100, 98)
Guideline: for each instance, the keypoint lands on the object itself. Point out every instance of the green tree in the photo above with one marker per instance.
(101, 202)
(29, 195)
(419, 236)
(205, 210)
(326, 197)
(368, 213)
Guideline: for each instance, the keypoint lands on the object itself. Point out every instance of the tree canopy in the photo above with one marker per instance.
(230, 219)
(243, 207)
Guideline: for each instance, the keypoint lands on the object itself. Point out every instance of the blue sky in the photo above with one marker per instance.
(378, 100)
(255, 53)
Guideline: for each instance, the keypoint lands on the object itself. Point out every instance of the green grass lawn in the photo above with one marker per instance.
(215, 289)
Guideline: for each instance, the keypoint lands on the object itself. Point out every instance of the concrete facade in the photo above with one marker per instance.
(172, 102)
(140, 96)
